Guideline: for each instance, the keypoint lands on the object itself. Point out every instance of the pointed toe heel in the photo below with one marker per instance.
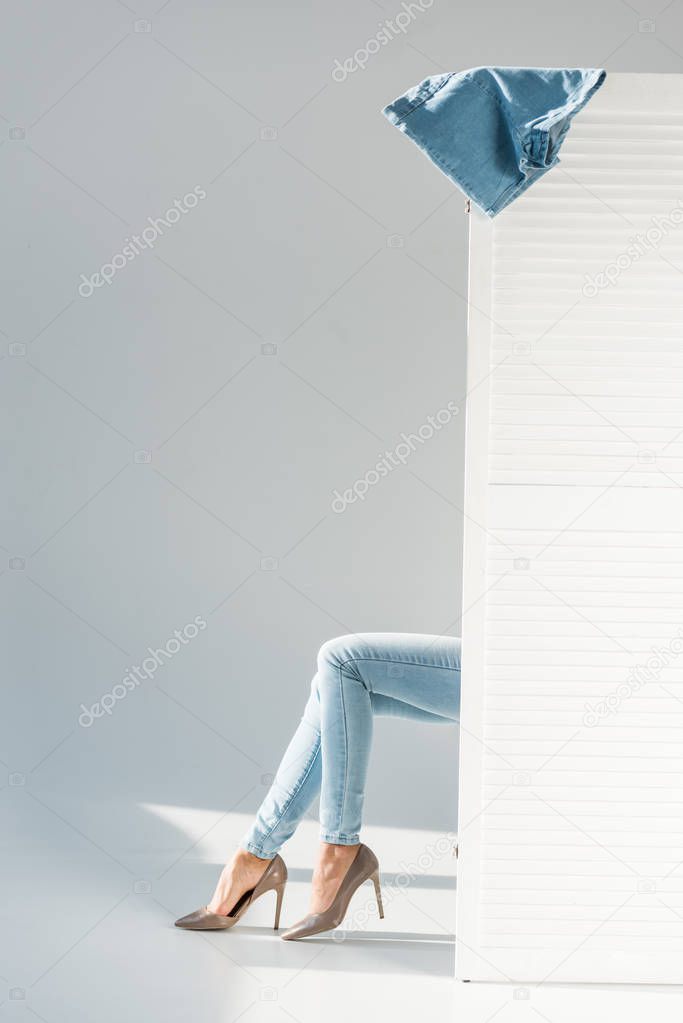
(274, 878)
(365, 867)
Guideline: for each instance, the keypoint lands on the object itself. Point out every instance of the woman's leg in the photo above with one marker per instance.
(401, 675)
(296, 785)
(405, 675)
(294, 788)
(411, 676)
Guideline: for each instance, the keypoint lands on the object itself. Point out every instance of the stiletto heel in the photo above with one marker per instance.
(274, 878)
(364, 868)
(378, 894)
(279, 891)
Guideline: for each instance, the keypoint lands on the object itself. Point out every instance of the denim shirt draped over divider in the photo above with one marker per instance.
(494, 131)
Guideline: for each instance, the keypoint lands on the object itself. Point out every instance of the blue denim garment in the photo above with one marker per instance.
(358, 678)
(494, 131)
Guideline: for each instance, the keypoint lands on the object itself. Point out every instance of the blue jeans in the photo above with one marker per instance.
(494, 130)
(392, 674)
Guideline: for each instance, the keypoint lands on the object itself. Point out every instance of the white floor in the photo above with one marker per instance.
(98, 942)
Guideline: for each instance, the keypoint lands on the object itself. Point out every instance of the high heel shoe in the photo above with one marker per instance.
(274, 878)
(365, 867)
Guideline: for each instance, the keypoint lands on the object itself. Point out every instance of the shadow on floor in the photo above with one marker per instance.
(401, 952)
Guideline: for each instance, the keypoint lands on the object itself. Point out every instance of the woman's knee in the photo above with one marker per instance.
(337, 652)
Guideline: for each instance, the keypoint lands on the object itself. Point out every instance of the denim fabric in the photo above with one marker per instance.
(494, 131)
(358, 677)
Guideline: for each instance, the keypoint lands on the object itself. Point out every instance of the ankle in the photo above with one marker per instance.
(330, 853)
(244, 858)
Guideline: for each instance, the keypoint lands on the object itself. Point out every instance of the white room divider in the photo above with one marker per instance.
(571, 803)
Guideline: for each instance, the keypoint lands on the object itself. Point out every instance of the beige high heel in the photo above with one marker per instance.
(274, 878)
(365, 867)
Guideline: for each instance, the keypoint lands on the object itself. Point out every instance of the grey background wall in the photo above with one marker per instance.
(174, 438)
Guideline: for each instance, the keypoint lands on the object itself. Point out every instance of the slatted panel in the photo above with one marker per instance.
(572, 831)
